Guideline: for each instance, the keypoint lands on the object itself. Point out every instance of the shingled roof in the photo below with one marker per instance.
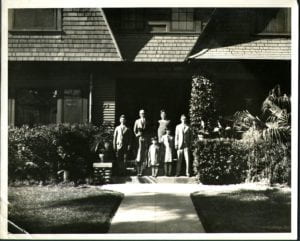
(85, 36)
(156, 47)
(229, 35)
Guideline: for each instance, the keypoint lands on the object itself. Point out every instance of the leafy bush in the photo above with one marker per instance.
(203, 113)
(234, 161)
(32, 153)
(220, 161)
(269, 161)
(38, 153)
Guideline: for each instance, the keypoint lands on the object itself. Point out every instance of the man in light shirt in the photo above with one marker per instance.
(122, 144)
(183, 139)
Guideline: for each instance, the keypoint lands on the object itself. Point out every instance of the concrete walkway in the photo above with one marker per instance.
(155, 208)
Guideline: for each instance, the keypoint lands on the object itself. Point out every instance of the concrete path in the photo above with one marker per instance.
(155, 208)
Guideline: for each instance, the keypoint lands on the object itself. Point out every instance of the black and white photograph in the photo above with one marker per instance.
(160, 121)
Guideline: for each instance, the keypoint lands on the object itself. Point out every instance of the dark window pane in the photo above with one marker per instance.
(132, 19)
(35, 19)
(73, 106)
(36, 106)
(182, 19)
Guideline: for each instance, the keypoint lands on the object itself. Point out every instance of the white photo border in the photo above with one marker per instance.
(7, 4)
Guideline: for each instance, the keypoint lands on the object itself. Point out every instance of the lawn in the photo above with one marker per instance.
(62, 209)
(245, 211)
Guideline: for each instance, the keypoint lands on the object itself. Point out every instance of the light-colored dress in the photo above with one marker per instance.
(163, 125)
(153, 155)
(168, 142)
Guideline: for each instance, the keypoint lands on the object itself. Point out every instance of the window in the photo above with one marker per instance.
(74, 106)
(159, 20)
(132, 19)
(182, 19)
(273, 21)
(36, 106)
(36, 19)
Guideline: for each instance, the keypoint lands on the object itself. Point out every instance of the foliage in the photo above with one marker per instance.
(38, 153)
(203, 113)
(32, 153)
(269, 161)
(235, 161)
(275, 124)
(220, 161)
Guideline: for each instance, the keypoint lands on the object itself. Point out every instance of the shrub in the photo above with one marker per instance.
(234, 161)
(32, 154)
(220, 161)
(38, 153)
(203, 113)
(269, 161)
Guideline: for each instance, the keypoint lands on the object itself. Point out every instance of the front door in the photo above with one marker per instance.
(152, 95)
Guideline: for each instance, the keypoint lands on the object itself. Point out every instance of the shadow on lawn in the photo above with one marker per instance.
(90, 214)
(244, 211)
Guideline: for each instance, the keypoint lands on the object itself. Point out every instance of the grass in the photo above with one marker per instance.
(62, 209)
(245, 211)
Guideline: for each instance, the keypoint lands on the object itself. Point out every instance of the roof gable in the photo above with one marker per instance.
(85, 36)
(229, 35)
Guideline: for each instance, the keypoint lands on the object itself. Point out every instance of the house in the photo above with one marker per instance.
(92, 65)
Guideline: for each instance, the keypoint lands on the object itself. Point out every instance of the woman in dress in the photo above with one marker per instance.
(168, 143)
(163, 125)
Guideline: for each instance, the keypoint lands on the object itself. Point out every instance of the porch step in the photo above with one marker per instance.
(153, 180)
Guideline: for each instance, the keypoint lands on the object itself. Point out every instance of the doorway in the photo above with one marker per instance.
(152, 95)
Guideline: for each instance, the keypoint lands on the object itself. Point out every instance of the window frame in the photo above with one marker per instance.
(124, 21)
(172, 30)
(166, 24)
(57, 28)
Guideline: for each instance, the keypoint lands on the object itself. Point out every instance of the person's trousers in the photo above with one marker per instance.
(120, 162)
(168, 168)
(183, 153)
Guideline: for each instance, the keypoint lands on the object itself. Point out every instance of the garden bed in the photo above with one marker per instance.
(62, 209)
(244, 211)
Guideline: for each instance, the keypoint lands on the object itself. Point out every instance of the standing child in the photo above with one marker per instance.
(153, 156)
(168, 142)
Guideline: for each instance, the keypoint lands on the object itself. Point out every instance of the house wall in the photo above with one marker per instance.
(84, 36)
(124, 88)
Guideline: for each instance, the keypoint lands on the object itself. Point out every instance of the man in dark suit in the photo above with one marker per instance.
(122, 144)
(141, 130)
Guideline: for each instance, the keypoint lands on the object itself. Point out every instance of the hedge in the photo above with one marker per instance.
(231, 161)
(38, 153)
(219, 162)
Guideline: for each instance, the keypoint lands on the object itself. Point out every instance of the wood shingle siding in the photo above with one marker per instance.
(279, 48)
(230, 35)
(85, 36)
(103, 100)
(156, 47)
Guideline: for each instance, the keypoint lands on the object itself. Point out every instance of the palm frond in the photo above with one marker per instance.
(276, 134)
(243, 120)
(275, 100)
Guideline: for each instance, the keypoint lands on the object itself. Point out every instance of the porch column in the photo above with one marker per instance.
(90, 97)
(11, 111)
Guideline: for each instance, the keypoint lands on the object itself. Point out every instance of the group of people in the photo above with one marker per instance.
(162, 147)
